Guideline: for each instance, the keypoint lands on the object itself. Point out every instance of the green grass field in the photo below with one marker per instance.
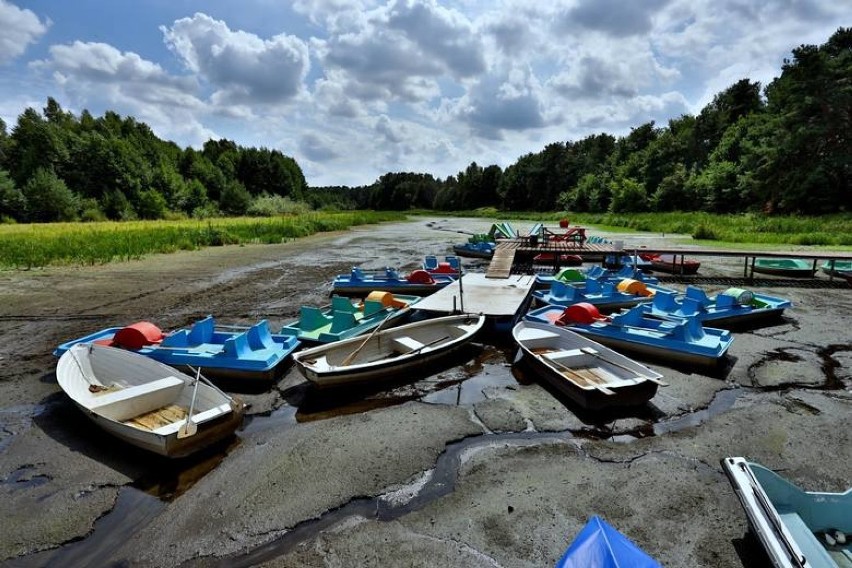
(39, 245)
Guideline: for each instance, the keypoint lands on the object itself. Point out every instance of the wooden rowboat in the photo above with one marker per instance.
(144, 402)
(592, 375)
(388, 354)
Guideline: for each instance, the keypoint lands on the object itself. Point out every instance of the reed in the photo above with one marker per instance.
(39, 245)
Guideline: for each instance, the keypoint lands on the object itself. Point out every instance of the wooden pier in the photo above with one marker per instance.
(511, 250)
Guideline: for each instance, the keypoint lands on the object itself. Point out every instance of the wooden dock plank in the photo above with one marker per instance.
(501, 263)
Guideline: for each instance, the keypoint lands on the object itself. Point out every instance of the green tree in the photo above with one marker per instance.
(49, 199)
(12, 202)
(150, 204)
(235, 199)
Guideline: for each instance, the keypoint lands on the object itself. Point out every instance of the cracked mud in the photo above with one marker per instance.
(477, 465)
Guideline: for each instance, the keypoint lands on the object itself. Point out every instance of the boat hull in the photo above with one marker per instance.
(145, 403)
(374, 359)
(625, 382)
(785, 518)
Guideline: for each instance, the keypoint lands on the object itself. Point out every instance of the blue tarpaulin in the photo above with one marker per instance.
(599, 545)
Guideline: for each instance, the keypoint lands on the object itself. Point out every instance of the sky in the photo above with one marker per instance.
(354, 89)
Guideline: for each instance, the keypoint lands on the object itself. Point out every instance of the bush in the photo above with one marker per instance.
(266, 205)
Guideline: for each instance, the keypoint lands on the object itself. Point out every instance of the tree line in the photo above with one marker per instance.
(784, 148)
(55, 166)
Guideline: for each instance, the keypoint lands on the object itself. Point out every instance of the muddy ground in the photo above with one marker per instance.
(477, 465)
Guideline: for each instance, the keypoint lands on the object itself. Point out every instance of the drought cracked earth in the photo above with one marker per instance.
(477, 465)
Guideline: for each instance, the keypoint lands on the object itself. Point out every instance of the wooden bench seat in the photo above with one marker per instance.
(198, 418)
(124, 404)
(405, 343)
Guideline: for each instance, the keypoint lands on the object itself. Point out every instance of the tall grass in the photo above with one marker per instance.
(751, 228)
(38, 245)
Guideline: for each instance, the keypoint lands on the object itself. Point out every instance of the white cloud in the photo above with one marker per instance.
(243, 68)
(20, 27)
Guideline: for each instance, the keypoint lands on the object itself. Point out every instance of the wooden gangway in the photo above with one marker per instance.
(501, 263)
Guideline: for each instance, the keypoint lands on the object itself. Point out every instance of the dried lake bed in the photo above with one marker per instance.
(475, 465)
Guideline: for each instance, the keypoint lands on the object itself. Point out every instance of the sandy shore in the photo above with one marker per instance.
(474, 466)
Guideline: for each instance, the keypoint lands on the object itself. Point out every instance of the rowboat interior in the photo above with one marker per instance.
(115, 389)
(584, 368)
(388, 345)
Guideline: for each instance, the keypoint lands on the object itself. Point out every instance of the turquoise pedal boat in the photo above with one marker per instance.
(679, 341)
(789, 267)
(733, 307)
(346, 318)
(798, 529)
(838, 268)
(244, 353)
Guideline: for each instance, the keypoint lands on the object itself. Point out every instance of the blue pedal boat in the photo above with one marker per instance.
(243, 353)
(482, 249)
(451, 265)
(681, 341)
(606, 295)
(733, 307)
(796, 528)
(361, 283)
(599, 545)
(346, 318)
(577, 276)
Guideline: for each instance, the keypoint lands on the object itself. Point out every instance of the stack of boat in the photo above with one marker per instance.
(679, 340)
(251, 354)
(346, 318)
(420, 282)
(733, 307)
(605, 294)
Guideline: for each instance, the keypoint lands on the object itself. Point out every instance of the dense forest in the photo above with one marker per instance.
(784, 148)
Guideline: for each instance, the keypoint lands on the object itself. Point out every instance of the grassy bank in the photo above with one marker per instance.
(829, 230)
(38, 245)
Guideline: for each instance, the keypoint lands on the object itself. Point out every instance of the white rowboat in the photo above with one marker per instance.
(590, 374)
(386, 355)
(145, 402)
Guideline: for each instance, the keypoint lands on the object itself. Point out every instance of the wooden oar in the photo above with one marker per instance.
(235, 405)
(189, 427)
(596, 355)
(348, 359)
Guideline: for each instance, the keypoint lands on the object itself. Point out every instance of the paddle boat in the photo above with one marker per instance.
(577, 276)
(682, 341)
(836, 267)
(671, 263)
(798, 529)
(144, 402)
(479, 249)
(558, 259)
(606, 295)
(620, 260)
(451, 265)
(789, 267)
(590, 374)
(345, 318)
(387, 354)
(245, 353)
(418, 282)
(733, 307)
(599, 545)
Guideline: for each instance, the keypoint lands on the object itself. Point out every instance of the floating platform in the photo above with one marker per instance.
(491, 297)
